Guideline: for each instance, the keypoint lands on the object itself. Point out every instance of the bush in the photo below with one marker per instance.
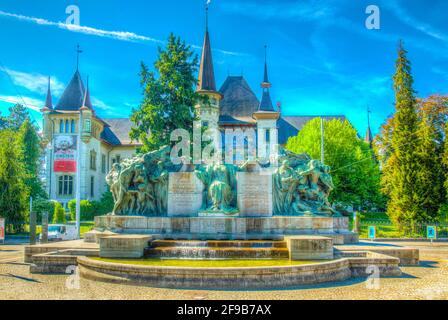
(59, 213)
(105, 205)
(42, 205)
(88, 209)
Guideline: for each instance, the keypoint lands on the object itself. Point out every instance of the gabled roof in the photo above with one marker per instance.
(116, 132)
(239, 99)
(73, 96)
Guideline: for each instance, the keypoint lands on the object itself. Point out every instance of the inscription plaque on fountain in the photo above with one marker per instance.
(184, 194)
(254, 192)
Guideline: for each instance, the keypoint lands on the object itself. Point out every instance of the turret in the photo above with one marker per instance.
(267, 117)
(208, 109)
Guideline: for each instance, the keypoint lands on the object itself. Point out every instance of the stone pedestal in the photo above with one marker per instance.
(123, 246)
(185, 193)
(254, 192)
(310, 248)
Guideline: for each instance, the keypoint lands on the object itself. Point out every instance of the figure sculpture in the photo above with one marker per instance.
(302, 186)
(140, 185)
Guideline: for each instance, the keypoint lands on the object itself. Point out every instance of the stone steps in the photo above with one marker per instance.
(175, 249)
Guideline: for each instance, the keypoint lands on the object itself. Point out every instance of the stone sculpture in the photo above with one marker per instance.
(302, 186)
(140, 185)
(219, 187)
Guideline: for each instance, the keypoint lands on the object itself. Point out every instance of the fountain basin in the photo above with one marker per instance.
(221, 278)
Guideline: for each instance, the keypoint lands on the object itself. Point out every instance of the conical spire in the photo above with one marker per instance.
(206, 81)
(73, 96)
(265, 83)
(266, 102)
(49, 100)
(369, 136)
(87, 102)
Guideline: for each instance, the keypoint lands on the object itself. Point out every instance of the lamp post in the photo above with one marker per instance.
(78, 177)
(322, 152)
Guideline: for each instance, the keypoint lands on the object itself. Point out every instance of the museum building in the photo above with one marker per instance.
(106, 141)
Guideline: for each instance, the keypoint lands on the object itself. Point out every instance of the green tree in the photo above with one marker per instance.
(18, 114)
(59, 214)
(402, 166)
(29, 142)
(168, 96)
(88, 209)
(432, 113)
(355, 172)
(13, 191)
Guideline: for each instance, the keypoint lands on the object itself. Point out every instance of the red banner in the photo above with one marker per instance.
(64, 166)
(65, 154)
(2, 229)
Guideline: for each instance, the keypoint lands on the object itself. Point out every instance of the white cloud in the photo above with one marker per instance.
(30, 103)
(405, 17)
(35, 82)
(117, 35)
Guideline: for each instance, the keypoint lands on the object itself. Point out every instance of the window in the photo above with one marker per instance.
(87, 125)
(103, 163)
(92, 186)
(61, 126)
(67, 127)
(65, 185)
(73, 126)
(117, 159)
(92, 160)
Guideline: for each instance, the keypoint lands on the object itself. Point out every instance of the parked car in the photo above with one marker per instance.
(61, 232)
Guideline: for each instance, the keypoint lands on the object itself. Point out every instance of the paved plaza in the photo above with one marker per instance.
(427, 281)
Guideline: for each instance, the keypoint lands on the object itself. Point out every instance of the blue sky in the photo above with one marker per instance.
(322, 58)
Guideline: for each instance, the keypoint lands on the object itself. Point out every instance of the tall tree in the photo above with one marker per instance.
(13, 191)
(430, 189)
(168, 96)
(355, 172)
(402, 166)
(18, 114)
(29, 143)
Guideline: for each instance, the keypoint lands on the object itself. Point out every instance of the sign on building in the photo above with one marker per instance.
(431, 232)
(372, 232)
(65, 154)
(2, 230)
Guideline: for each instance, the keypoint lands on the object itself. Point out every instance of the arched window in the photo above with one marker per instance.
(73, 126)
(67, 127)
(61, 126)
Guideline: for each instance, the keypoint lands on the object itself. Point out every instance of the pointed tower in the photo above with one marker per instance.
(369, 136)
(266, 116)
(86, 114)
(207, 108)
(46, 110)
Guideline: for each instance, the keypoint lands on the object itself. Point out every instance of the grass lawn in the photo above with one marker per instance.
(208, 263)
(86, 226)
